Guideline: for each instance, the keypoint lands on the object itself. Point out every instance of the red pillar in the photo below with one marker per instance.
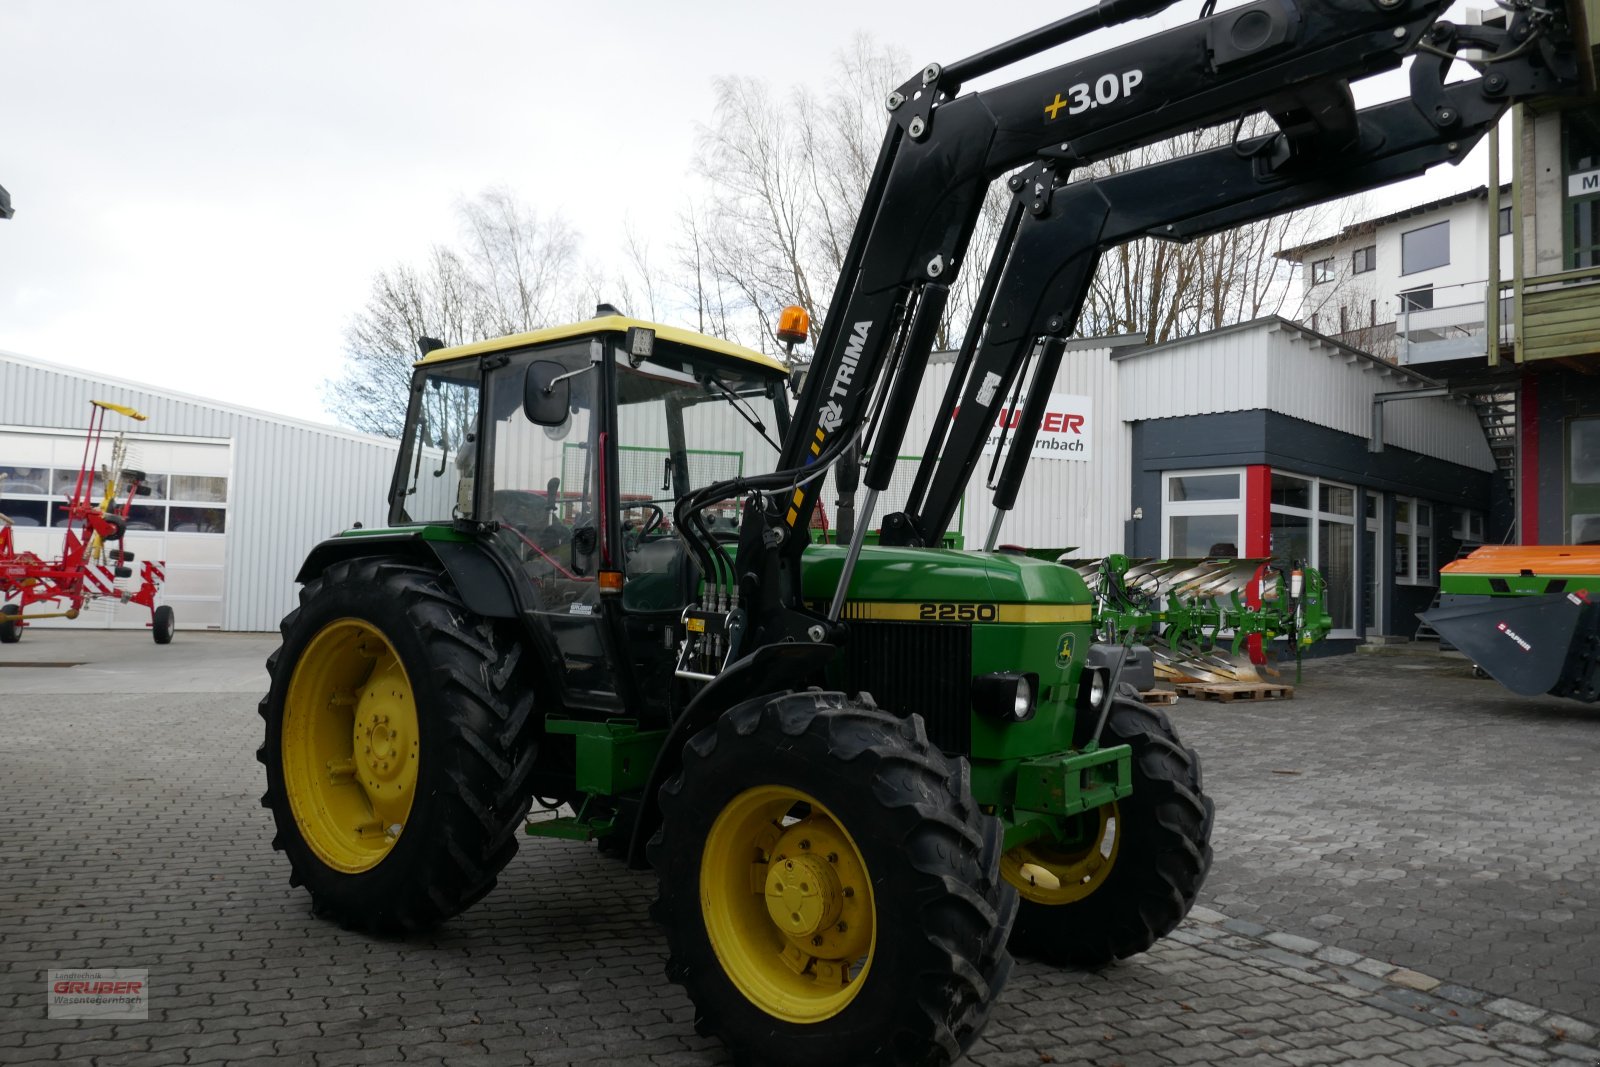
(1257, 535)
(1528, 482)
(1257, 510)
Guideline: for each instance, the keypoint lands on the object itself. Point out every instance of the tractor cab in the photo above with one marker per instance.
(570, 446)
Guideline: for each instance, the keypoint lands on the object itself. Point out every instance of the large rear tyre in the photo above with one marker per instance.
(398, 747)
(829, 889)
(10, 626)
(1132, 870)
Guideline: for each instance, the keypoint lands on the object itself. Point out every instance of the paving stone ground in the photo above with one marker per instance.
(1402, 809)
(131, 836)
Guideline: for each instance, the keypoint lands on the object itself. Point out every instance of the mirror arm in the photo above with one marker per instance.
(550, 388)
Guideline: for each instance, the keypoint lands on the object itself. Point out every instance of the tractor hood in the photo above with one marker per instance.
(914, 575)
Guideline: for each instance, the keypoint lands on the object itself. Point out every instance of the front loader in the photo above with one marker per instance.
(864, 774)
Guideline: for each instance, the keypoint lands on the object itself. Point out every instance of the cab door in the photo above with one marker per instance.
(546, 488)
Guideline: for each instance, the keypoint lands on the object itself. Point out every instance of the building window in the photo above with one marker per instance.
(1419, 299)
(1364, 259)
(1202, 513)
(175, 503)
(1425, 248)
(1466, 524)
(1413, 542)
(1344, 319)
(1314, 523)
(1580, 137)
(1321, 271)
(1372, 590)
(1582, 489)
(1505, 221)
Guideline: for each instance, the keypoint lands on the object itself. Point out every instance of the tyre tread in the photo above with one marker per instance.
(488, 729)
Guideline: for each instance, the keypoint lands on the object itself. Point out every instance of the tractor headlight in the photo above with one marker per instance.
(1097, 689)
(1009, 696)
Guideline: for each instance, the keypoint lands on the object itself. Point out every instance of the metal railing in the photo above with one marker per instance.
(1447, 322)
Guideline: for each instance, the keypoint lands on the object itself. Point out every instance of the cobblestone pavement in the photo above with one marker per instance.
(1402, 809)
(130, 836)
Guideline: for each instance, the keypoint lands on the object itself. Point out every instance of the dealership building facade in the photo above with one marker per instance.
(1252, 440)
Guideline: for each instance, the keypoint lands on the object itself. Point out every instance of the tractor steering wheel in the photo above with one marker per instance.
(651, 524)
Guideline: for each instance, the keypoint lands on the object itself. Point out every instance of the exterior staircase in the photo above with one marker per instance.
(1497, 414)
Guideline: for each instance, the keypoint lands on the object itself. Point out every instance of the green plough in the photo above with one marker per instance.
(1198, 615)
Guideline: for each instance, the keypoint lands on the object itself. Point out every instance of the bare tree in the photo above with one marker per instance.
(521, 264)
(1164, 290)
(1339, 301)
(437, 300)
(515, 271)
(785, 176)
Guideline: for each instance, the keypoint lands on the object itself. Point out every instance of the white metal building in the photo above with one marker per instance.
(1410, 284)
(1272, 413)
(239, 496)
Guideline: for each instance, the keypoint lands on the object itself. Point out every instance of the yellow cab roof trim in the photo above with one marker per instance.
(607, 324)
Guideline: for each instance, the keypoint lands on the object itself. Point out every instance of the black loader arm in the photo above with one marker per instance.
(1291, 60)
(1036, 303)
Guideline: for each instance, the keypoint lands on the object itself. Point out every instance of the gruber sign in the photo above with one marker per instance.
(1063, 432)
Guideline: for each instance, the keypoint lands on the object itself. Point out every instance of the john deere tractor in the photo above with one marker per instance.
(864, 773)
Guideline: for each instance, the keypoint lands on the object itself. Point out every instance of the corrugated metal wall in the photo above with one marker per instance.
(1063, 502)
(296, 483)
(1068, 503)
(1277, 366)
(292, 485)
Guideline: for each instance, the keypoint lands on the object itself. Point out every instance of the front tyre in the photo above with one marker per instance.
(397, 748)
(828, 887)
(1128, 873)
(10, 624)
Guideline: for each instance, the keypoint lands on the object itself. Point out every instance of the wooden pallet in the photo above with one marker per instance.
(1159, 697)
(1228, 691)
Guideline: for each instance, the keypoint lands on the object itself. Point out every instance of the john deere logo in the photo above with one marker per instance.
(1064, 650)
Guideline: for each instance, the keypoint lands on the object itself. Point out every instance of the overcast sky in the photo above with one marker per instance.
(204, 190)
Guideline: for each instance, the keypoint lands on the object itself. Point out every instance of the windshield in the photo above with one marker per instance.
(683, 425)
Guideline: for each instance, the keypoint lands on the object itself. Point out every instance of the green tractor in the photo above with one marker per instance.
(864, 774)
(838, 831)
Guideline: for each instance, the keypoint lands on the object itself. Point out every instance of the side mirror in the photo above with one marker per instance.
(546, 393)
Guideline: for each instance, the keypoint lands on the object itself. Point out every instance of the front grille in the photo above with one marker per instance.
(916, 667)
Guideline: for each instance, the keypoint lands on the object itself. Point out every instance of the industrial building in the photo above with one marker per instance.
(238, 496)
(1252, 440)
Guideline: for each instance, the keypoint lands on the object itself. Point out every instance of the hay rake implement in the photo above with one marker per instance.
(93, 557)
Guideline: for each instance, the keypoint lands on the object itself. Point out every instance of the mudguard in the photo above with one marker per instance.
(477, 576)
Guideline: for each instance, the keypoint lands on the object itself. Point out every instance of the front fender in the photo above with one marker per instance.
(474, 570)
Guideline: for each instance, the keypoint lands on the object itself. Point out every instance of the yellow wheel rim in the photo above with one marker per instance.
(788, 904)
(350, 745)
(1079, 871)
